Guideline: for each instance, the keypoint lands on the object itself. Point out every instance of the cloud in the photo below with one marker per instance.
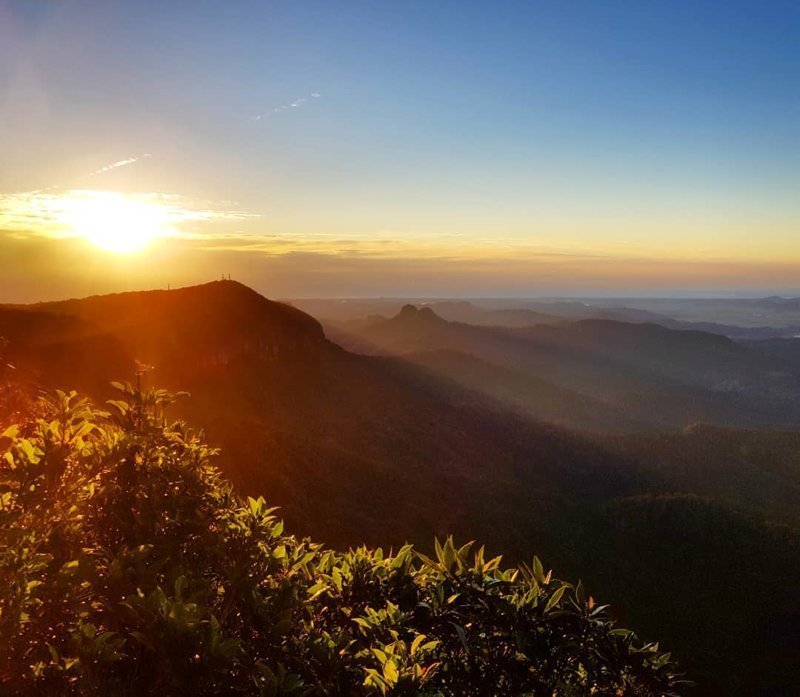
(51, 214)
(118, 164)
(290, 105)
(114, 165)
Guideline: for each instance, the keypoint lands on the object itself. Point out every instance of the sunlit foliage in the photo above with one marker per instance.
(129, 567)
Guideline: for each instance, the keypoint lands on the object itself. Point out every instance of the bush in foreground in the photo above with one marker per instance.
(129, 567)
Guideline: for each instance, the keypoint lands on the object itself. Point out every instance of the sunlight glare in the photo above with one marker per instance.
(115, 222)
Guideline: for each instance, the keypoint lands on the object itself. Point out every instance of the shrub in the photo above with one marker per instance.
(128, 566)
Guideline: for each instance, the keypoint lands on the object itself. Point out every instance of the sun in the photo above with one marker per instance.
(115, 222)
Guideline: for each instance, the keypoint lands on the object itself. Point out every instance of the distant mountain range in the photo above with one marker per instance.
(449, 427)
(600, 374)
(746, 319)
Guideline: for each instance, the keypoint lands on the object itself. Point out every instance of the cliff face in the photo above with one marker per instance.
(182, 332)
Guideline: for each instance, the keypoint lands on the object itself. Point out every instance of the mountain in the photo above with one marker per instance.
(780, 302)
(50, 347)
(379, 449)
(469, 313)
(775, 312)
(313, 425)
(532, 395)
(621, 367)
(786, 350)
(221, 322)
(746, 320)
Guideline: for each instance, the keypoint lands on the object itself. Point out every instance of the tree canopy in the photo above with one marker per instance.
(128, 566)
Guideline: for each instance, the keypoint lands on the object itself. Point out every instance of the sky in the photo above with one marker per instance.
(343, 149)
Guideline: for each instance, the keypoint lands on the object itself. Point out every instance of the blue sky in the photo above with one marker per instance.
(657, 130)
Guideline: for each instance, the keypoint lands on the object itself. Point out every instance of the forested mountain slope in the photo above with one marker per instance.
(374, 449)
(129, 567)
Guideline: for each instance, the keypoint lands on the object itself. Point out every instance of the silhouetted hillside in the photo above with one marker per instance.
(195, 329)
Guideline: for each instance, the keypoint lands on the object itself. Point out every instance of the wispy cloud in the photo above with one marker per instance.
(89, 175)
(290, 105)
(389, 245)
(118, 164)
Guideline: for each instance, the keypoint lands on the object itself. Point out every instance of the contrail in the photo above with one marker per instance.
(118, 164)
(291, 105)
(102, 170)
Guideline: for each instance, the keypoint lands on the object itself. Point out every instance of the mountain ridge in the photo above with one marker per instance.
(377, 450)
(701, 376)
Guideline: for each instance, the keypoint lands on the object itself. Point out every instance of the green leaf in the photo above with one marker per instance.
(53, 653)
(416, 643)
(11, 432)
(462, 635)
(538, 570)
(555, 598)
(144, 640)
(390, 672)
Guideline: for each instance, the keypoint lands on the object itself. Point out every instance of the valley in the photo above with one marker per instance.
(529, 438)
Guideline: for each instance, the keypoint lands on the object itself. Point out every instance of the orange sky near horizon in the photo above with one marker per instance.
(43, 267)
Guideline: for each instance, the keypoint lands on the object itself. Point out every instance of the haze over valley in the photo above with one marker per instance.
(598, 443)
